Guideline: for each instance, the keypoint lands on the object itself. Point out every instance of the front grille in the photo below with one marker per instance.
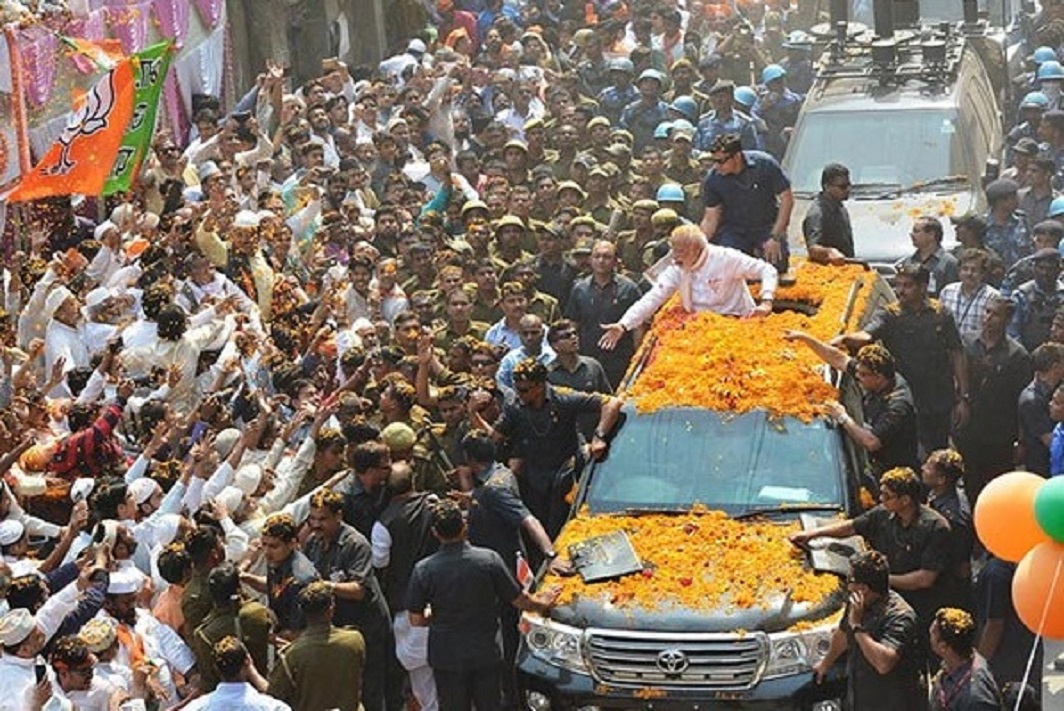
(704, 660)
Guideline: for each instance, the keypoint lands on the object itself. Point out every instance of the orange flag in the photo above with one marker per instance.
(103, 54)
(81, 158)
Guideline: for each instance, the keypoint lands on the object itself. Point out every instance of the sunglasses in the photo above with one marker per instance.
(562, 335)
(721, 161)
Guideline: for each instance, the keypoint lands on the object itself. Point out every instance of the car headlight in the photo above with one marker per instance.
(553, 642)
(797, 652)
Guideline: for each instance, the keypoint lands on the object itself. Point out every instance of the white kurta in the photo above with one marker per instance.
(718, 285)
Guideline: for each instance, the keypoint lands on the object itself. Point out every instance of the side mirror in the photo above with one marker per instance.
(991, 171)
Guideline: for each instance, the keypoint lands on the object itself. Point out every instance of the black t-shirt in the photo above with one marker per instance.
(827, 224)
(923, 545)
(547, 437)
(922, 342)
(283, 585)
(350, 559)
(496, 514)
(891, 622)
(993, 601)
(1033, 410)
(464, 585)
(891, 416)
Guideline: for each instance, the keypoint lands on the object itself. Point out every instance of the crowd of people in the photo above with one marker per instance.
(278, 427)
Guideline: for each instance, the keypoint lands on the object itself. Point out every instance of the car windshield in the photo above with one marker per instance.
(673, 458)
(886, 149)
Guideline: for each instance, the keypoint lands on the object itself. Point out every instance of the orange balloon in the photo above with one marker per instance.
(1004, 515)
(1034, 592)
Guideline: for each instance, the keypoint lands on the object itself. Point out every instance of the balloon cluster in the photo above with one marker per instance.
(1019, 517)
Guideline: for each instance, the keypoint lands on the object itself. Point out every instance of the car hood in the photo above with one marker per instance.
(775, 614)
(881, 227)
(695, 571)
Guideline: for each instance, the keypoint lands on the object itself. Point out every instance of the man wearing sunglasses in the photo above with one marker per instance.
(747, 200)
(826, 227)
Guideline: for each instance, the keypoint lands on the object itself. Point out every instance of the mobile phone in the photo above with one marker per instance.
(40, 671)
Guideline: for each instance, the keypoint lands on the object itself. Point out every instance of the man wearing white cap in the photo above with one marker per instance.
(143, 639)
(241, 257)
(110, 258)
(396, 65)
(64, 338)
(23, 636)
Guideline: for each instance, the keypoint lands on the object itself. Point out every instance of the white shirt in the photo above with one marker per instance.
(105, 265)
(718, 285)
(96, 698)
(164, 647)
(63, 341)
(17, 680)
(237, 696)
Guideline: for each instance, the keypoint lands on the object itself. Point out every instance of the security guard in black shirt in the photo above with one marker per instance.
(826, 227)
(463, 583)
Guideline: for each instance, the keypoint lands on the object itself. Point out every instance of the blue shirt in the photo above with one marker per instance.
(641, 120)
(505, 374)
(1009, 241)
(1056, 451)
(709, 127)
(612, 101)
(748, 200)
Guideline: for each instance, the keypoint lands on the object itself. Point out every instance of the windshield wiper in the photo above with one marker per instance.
(785, 509)
(861, 188)
(925, 185)
(642, 510)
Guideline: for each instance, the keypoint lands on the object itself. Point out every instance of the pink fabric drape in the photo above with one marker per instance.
(172, 16)
(39, 49)
(210, 11)
(129, 25)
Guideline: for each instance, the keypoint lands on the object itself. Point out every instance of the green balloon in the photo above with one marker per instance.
(1049, 508)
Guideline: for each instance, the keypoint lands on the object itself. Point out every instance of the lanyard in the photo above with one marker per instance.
(944, 699)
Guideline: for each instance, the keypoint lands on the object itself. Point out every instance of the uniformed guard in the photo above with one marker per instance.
(323, 667)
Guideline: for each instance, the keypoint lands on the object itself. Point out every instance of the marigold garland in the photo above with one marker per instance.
(737, 365)
(700, 559)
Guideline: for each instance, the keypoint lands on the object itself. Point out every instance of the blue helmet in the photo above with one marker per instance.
(1056, 208)
(671, 192)
(745, 96)
(772, 72)
(1035, 100)
(1049, 70)
(686, 106)
(1044, 54)
(662, 129)
(682, 125)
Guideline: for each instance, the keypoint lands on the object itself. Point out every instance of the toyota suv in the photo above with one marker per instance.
(723, 450)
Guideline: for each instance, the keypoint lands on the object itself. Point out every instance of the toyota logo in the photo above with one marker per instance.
(673, 661)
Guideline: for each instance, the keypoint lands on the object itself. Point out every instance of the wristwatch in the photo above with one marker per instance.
(551, 554)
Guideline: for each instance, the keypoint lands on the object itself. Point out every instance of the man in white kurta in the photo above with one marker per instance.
(708, 278)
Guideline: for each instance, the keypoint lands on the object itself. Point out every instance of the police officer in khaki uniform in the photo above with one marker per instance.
(247, 620)
(322, 668)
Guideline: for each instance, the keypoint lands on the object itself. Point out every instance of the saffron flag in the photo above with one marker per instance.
(99, 54)
(103, 144)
